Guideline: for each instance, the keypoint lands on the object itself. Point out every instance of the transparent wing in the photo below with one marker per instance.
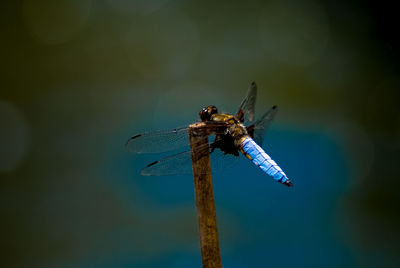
(175, 164)
(181, 163)
(159, 141)
(221, 161)
(258, 130)
(246, 109)
(167, 140)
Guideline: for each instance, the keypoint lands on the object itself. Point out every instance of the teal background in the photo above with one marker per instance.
(78, 78)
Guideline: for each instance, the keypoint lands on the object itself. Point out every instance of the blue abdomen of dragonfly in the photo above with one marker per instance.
(261, 159)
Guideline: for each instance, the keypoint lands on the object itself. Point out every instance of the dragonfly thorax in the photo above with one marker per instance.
(233, 127)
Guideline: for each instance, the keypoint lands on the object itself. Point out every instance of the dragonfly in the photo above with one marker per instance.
(232, 135)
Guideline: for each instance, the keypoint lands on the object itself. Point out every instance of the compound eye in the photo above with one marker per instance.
(207, 112)
(204, 114)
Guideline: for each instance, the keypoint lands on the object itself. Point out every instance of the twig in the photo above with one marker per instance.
(205, 204)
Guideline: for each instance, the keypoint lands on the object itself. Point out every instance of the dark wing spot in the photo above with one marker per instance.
(274, 107)
(133, 137)
(152, 164)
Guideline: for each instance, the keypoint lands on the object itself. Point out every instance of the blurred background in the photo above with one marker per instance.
(79, 77)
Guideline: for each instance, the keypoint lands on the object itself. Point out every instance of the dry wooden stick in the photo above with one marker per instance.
(205, 204)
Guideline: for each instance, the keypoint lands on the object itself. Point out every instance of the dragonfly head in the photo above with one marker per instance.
(207, 112)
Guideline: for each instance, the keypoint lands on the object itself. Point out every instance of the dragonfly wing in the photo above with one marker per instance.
(159, 141)
(246, 109)
(175, 164)
(181, 163)
(258, 130)
(221, 161)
